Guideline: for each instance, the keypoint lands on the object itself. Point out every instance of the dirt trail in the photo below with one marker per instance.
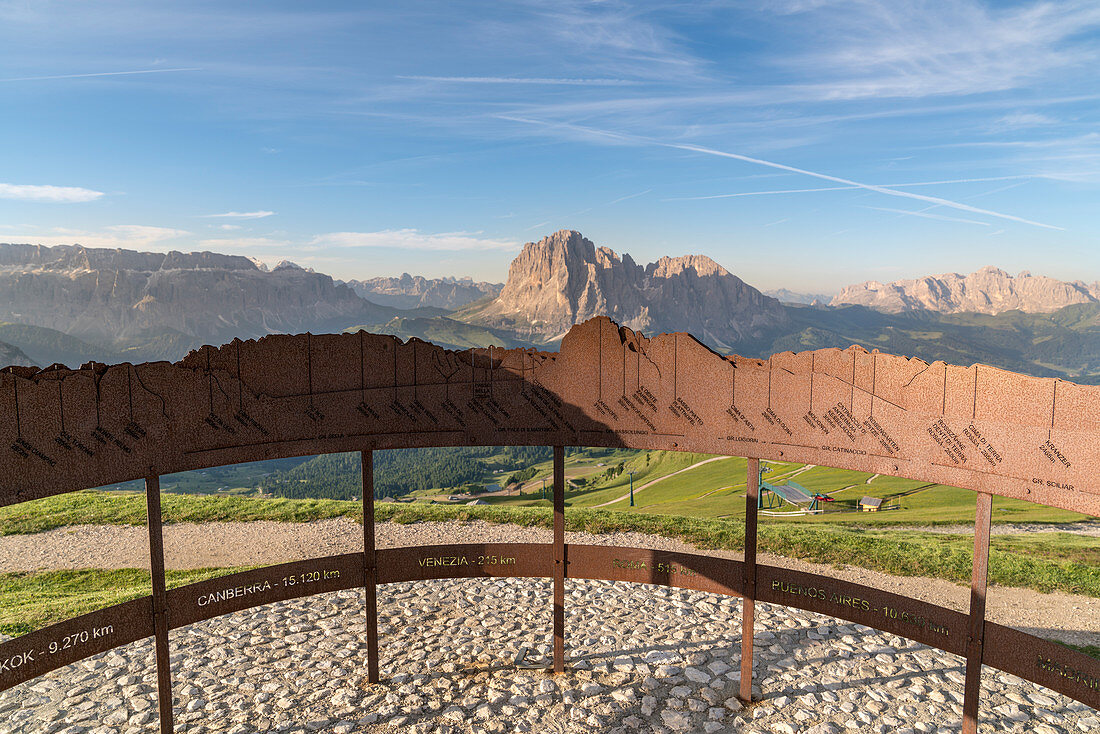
(1074, 619)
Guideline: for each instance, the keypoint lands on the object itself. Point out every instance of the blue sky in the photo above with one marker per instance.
(805, 144)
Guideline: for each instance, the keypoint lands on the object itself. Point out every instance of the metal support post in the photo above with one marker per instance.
(370, 566)
(559, 559)
(976, 638)
(160, 601)
(752, 500)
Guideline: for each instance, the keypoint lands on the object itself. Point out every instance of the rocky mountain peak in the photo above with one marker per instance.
(701, 265)
(565, 279)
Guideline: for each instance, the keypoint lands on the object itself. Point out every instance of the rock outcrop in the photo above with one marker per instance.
(415, 291)
(989, 290)
(116, 295)
(564, 279)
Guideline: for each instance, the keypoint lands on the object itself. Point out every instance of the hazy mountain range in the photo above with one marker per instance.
(122, 298)
(72, 304)
(989, 291)
(415, 291)
(783, 295)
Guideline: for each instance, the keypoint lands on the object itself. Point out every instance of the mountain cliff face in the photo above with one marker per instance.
(989, 291)
(117, 295)
(414, 291)
(564, 279)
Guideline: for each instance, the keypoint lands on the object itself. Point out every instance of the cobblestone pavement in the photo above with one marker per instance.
(642, 658)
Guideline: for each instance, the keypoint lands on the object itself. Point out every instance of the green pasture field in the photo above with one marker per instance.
(717, 489)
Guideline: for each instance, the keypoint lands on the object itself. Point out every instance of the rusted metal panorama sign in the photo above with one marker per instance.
(978, 427)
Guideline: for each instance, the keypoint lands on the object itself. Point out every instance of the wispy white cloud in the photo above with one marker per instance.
(608, 203)
(53, 194)
(749, 110)
(238, 215)
(412, 239)
(125, 236)
(1078, 142)
(615, 37)
(909, 48)
(628, 196)
(229, 244)
(575, 82)
(94, 74)
(760, 193)
(1018, 120)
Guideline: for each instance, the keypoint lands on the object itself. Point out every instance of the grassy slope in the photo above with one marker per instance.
(98, 508)
(33, 600)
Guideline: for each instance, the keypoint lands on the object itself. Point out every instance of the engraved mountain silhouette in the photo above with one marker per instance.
(564, 279)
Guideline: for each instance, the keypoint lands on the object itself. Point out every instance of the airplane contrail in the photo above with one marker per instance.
(926, 215)
(98, 73)
(783, 167)
(849, 188)
(857, 184)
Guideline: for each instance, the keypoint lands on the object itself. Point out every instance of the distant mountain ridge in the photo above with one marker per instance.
(564, 279)
(784, 295)
(989, 291)
(415, 291)
(119, 296)
(11, 355)
(73, 304)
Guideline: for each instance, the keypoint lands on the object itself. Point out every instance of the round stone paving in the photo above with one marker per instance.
(470, 656)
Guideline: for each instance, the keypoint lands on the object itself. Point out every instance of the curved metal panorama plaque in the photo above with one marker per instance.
(1041, 661)
(29, 656)
(661, 568)
(464, 561)
(977, 427)
(1044, 662)
(246, 589)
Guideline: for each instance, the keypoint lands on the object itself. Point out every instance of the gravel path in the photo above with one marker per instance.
(1090, 528)
(1073, 619)
(639, 659)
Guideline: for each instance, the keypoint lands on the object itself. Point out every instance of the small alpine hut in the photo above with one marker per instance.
(870, 504)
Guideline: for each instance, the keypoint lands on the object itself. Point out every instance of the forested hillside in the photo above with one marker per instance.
(400, 471)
